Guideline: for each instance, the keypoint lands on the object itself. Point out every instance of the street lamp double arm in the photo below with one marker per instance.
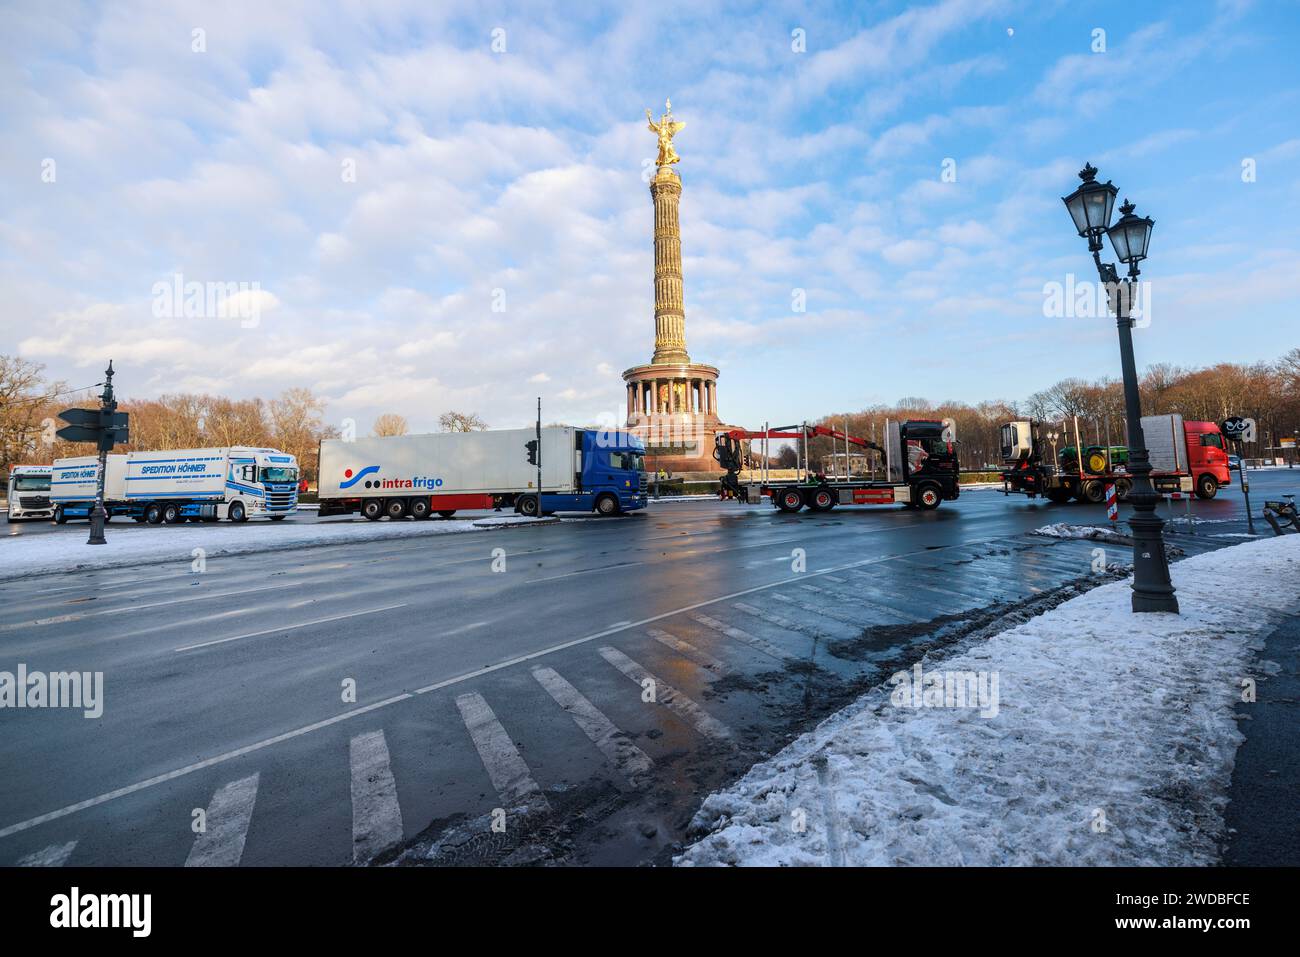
(1091, 206)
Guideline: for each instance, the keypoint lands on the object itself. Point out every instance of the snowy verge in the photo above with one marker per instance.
(1110, 741)
(27, 555)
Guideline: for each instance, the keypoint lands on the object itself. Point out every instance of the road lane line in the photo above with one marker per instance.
(60, 619)
(585, 571)
(668, 696)
(504, 764)
(227, 818)
(689, 650)
(435, 686)
(56, 855)
(376, 816)
(282, 628)
(739, 634)
(628, 760)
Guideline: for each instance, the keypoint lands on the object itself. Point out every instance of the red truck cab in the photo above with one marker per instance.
(1207, 457)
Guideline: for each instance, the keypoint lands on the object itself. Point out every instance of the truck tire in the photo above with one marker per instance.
(59, 517)
(928, 497)
(153, 513)
(373, 509)
(1058, 495)
(395, 508)
(1092, 491)
(447, 512)
(419, 509)
(1122, 488)
(789, 500)
(237, 512)
(822, 500)
(1207, 486)
(171, 514)
(527, 506)
(607, 505)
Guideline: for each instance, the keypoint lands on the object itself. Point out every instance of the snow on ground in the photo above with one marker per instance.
(1095, 532)
(23, 555)
(1113, 741)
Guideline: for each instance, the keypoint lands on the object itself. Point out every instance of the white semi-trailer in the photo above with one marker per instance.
(442, 473)
(199, 485)
(28, 493)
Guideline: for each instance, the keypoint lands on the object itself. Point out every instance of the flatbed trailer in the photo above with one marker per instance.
(920, 457)
(1186, 457)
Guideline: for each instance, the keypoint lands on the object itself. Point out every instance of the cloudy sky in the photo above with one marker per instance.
(444, 206)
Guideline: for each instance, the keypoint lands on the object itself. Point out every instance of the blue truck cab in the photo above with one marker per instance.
(610, 477)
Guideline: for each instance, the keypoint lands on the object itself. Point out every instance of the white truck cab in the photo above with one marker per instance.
(29, 493)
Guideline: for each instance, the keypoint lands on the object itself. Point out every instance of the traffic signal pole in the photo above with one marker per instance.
(108, 405)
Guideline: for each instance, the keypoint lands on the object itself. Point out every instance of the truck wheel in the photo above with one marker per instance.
(1122, 488)
(447, 512)
(527, 506)
(395, 508)
(928, 497)
(172, 514)
(419, 509)
(373, 509)
(237, 512)
(791, 500)
(823, 500)
(59, 517)
(607, 505)
(153, 513)
(1207, 486)
(1093, 492)
(1095, 462)
(1058, 495)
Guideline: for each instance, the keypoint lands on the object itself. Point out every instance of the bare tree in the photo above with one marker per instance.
(461, 422)
(390, 423)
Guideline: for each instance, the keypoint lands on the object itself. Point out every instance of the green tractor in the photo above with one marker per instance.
(1095, 459)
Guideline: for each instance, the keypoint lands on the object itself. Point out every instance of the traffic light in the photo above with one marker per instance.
(531, 446)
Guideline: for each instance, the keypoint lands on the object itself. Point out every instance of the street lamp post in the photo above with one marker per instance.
(1090, 207)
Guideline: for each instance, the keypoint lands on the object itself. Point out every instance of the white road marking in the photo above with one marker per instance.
(778, 620)
(833, 578)
(301, 624)
(842, 608)
(629, 760)
(687, 649)
(376, 816)
(56, 855)
(585, 571)
(172, 775)
(501, 759)
(228, 815)
(755, 642)
(668, 696)
(135, 606)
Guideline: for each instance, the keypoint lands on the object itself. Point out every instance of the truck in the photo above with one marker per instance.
(1186, 458)
(198, 485)
(28, 493)
(418, 476)
(920, 468)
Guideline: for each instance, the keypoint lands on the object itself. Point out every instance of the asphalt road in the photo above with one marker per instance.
(564, 692)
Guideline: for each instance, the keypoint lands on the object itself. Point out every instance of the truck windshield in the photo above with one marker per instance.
(31, 483)
(278, 474)
(629, 461)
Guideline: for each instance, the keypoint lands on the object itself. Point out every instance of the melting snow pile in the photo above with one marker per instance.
(1101, 738)
(22, 555)
(1095, 532)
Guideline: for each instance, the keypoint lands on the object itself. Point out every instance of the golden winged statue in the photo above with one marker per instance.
(666, 129)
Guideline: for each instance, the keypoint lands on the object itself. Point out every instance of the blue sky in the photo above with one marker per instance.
(488, 179)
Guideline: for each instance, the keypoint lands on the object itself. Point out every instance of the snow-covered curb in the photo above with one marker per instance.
(1113, 742)
(22, 556)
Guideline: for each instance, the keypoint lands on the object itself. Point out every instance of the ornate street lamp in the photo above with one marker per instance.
(1090, 207)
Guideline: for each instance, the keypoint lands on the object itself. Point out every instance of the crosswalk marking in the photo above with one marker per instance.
(668, 696)
(505, 766)
(739, 634)
(780, 621)
(56, 855)
(629, 760)
(228, 816)
(376, 816)
(854, 612)
(688, 649)
(842, 602)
